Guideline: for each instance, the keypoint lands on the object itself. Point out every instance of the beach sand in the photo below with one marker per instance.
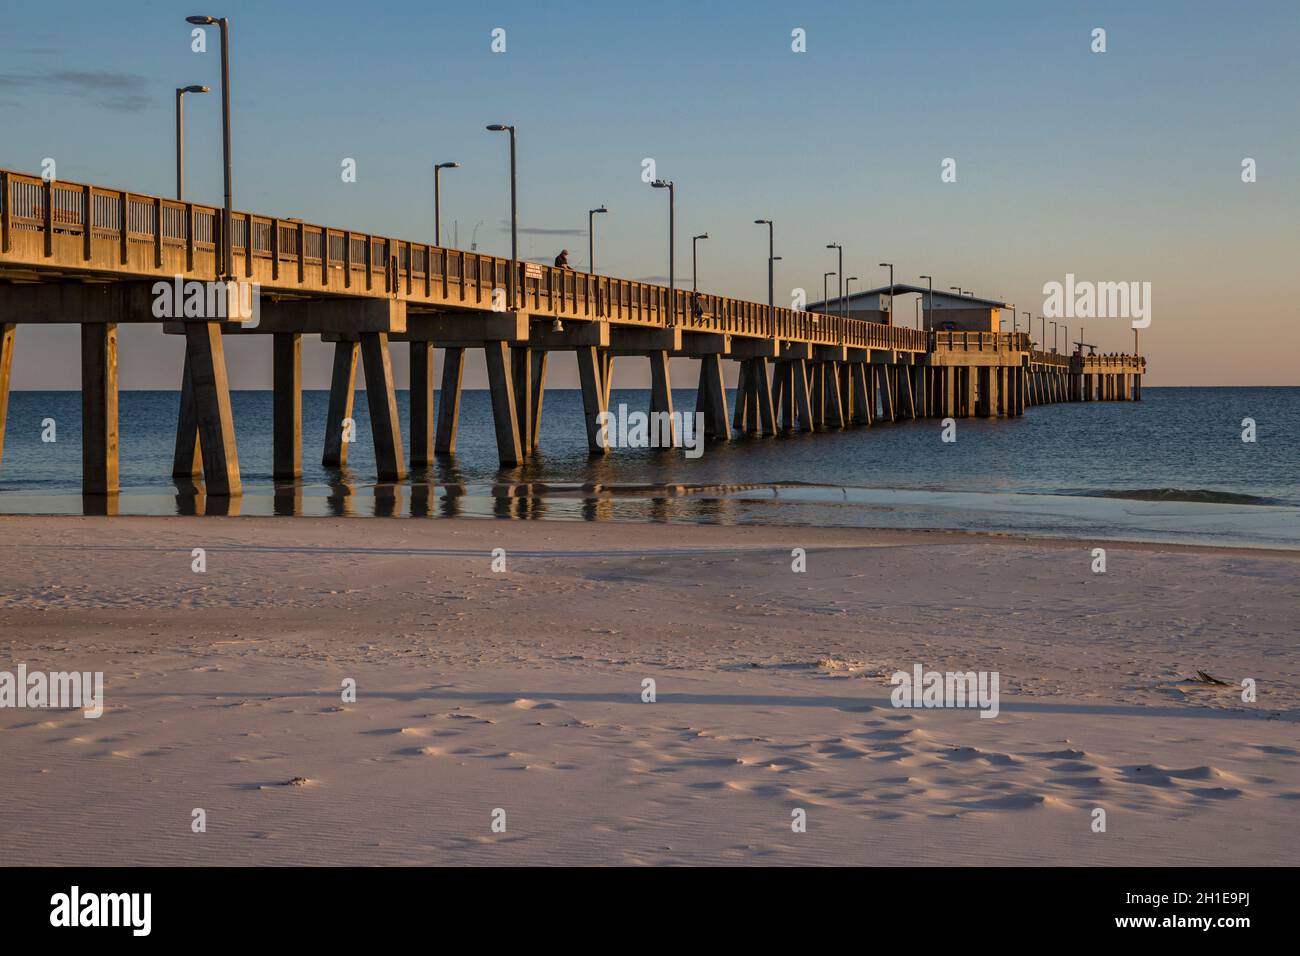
(521, 691)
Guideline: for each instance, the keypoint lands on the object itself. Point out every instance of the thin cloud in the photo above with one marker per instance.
(542, 230)
(120, 92)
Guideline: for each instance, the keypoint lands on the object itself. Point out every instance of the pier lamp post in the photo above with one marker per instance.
(1054, 337)
(180, 135)
(227, 214)
(514, 209)
(591, 236)
(847, 293)
(695, 261)
(1013, 315)
(826, 295)
(437, 207)
(836, 245)
(771, 253)
(672, 276)
(916, 311)
(930, 311)
(1029, 323)
(891, 289)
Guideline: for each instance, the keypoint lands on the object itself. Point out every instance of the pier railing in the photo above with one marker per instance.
(1116, 362)
(83, 228)
(981, 341)
(1037, 357)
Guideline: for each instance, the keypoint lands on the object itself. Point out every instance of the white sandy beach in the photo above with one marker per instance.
(522, 691)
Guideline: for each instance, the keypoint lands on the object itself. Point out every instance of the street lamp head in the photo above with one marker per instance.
(662, 184)
(192, 89)
(201, 21)
(931, 278)
(500, 128)
(446, 166)
(762, 222)
(833, 245)
(703, 235)
(598, 209)
(851, 279)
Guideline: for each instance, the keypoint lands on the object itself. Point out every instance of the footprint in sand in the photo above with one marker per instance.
(1013, 801)
(524, 703)
(420, 752)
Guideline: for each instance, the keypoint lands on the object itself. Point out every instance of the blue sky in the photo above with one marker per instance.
(1116, 166)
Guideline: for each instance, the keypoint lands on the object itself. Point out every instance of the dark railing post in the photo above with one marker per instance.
(49, 218)
(157, 233)
(125, 200)
(87, 225)
(275, 248)
(189, 237)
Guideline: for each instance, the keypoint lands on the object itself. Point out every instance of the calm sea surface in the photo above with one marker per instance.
(1170, 468)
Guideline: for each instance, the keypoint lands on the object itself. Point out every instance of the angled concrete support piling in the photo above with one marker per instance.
(863, 411)
(834, 404)
(590, 366)
(786, 401)
(505, 413)
(906, 393)
(661, 393)
(207, 361)
(803, 401)
(713, 398)
(537, 370)
(766, 405)
(453, 373)
(521, 373)
(340, 429)
(738, 421)
(381, 398)
(187, 459)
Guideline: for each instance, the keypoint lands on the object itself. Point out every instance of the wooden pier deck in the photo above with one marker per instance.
(76, 253)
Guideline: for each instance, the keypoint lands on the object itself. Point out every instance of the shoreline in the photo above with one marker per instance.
(886, 535)
(789, 505)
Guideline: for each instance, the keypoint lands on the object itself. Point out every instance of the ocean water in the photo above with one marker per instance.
(1172, 467)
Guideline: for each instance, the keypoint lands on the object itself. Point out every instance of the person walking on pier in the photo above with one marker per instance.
(562, 260)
